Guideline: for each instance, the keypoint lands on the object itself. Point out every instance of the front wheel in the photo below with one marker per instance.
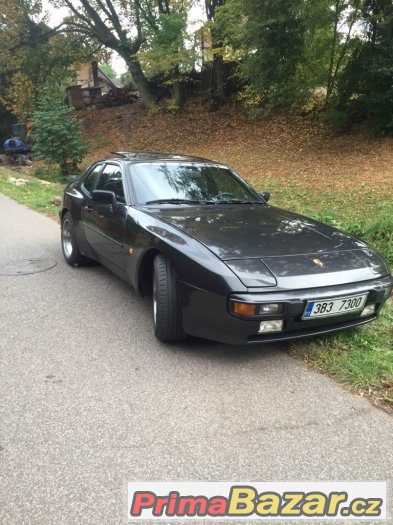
(166, 308)
(69, 242)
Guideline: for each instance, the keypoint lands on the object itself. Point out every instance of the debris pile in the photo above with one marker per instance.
(119, 97)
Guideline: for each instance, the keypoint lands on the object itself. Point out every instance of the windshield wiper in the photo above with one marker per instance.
(238, 201)
(203, 202)
(174, 201)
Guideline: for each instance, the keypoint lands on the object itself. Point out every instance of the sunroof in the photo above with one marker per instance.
(131, 154)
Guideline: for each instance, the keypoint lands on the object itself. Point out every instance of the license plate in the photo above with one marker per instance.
(330, 307)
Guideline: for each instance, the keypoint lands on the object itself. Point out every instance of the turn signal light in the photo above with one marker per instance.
(244, 308)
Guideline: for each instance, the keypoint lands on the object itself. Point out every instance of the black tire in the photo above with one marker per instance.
(166, 308)
(69, 243)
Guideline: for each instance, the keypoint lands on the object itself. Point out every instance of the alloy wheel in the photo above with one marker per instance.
(67, 238)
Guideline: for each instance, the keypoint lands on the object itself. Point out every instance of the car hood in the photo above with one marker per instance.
(241, 231)
(268, 246)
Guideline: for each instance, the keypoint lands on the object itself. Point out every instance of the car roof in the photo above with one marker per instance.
(146, 156)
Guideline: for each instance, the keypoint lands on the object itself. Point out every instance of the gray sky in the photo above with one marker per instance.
(56, 15)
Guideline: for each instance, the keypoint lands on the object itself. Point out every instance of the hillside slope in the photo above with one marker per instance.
(293, 148)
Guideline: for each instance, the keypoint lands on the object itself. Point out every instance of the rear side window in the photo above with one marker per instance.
(88, 183)
(111, 180)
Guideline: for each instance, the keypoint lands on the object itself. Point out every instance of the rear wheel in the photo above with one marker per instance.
(69, 242)
(166, 308)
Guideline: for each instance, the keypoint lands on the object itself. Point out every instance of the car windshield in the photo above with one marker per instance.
(174, 183)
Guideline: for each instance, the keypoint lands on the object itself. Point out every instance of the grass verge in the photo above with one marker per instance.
(36, 193)
(361, 358)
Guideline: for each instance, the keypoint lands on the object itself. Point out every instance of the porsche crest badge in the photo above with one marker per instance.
(318, 262)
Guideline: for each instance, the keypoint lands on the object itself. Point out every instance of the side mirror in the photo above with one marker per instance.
(265, 195)
(104, 197)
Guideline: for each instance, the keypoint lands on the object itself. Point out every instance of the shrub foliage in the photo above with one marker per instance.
(58, 134)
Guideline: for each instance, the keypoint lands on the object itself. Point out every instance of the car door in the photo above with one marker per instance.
(105, 222)
(86, 220)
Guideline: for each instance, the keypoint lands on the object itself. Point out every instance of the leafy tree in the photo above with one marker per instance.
(267, 37)
(16, 28)
(164, 51)
(32, 56)
(116, 25)
(232, 26)
(276, 33)
(21, 96)
(313, 69)
(365, 86)
(58, 134)
(344, 15)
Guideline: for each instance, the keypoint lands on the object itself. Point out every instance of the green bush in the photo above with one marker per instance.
(58, 134)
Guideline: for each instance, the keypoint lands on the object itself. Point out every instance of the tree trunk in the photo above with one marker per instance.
(145, 89)
(218, 76)
(333, 52)
(178, 89)
(178, 94)
(66, 168)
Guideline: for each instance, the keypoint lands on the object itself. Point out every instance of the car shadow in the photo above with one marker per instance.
(236, 353)
(202, 348)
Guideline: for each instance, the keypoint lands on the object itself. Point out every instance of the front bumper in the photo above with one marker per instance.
(207, 315)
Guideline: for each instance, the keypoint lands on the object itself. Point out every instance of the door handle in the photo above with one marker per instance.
(89, 209)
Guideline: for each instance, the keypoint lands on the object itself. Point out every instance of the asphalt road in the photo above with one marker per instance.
(89, 399)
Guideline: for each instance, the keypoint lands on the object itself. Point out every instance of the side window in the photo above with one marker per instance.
(88, 182)
(111, 180)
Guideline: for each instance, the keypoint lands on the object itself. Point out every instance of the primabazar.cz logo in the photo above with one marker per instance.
(256, 501)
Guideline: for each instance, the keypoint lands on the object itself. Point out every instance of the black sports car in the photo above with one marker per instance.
(219, 262)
